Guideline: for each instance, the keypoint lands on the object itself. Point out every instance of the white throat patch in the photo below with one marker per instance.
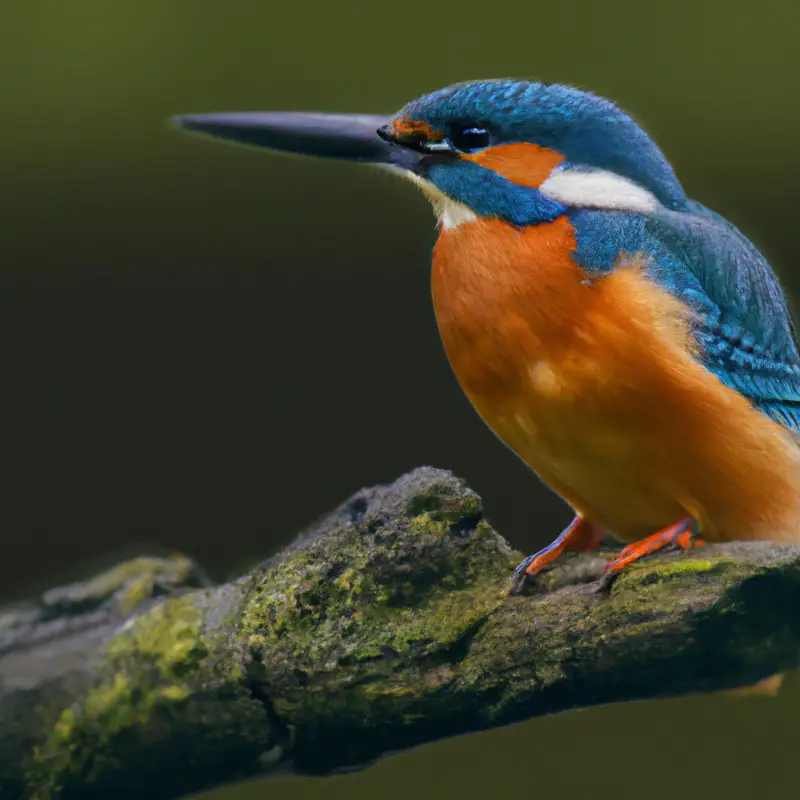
(574, 188)
(449, 213)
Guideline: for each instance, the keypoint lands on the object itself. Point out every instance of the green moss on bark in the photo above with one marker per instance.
(158, 694)
(371, 616)
(385, 626)
(127, 585)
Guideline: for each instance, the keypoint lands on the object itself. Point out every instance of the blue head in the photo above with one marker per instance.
(523, 151)
(602, 156)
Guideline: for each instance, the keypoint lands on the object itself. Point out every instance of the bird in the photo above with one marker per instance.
(633, 347)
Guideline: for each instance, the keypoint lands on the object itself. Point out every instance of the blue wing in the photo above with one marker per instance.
(744, 326)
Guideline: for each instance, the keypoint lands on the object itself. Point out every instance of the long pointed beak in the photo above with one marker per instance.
(349, 137)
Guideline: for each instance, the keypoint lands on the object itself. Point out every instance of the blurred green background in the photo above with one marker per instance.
(204, 348)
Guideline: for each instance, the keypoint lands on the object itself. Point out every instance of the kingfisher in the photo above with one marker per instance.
(629, 344)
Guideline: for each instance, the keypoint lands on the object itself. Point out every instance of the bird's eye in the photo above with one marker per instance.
(469, 139)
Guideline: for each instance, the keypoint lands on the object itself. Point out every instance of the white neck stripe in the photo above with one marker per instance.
(574, 188)
(581, 188)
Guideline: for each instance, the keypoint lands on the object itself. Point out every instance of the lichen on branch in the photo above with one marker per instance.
(386, 625)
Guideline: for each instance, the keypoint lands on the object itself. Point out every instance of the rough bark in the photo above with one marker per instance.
(387, 625)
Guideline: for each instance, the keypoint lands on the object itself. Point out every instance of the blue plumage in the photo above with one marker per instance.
(744, 327)
(746, 331)
(586, 128)
(645, 464)
(493, 195)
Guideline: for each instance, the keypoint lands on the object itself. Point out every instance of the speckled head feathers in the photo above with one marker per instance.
(588, 130)
(520, 151)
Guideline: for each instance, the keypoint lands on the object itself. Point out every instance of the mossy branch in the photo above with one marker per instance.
(387, 625)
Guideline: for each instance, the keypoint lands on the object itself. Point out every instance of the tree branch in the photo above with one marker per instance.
(387, 625)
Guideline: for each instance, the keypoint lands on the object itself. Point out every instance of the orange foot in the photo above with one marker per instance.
(683, 533)
(578, 536)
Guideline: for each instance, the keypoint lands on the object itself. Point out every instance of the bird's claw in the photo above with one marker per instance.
(520, 576)
(579, 535)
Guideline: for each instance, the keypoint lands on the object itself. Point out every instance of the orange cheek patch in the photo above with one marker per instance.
(522, 163)
(415, 128)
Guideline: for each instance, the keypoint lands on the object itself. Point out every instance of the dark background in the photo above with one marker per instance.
(203, 348)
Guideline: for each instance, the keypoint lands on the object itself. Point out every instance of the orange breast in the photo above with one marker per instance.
(503, 296)
(594, 384)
